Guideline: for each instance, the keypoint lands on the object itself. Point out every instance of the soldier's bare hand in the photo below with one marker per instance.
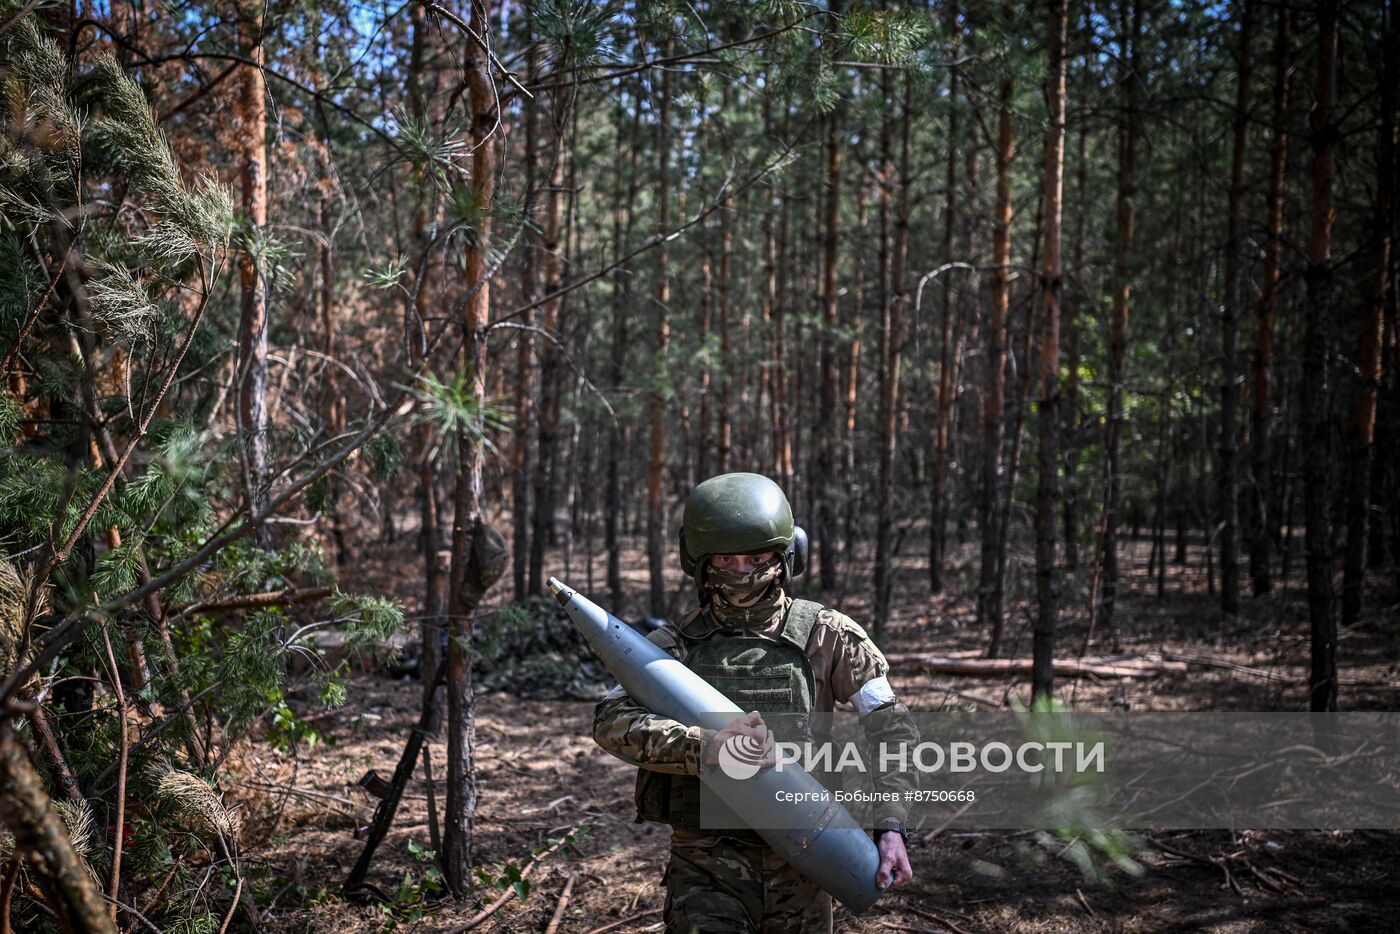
(894, 868)
(750, 724)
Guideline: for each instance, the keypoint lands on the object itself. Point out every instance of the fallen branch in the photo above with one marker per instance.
(627, 920)
(285, 597)
(500, 902)
(1065, 668)
(1205, 661)
(559, 909)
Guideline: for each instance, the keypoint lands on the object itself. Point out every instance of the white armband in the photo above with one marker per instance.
(872, 694)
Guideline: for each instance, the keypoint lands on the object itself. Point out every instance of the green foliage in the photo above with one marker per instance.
(890, 37)
(129, 128)
(451, 412)
(577, 33)
(1076, 805)
(384, 454)
(416, 892)
(367, 618)
(512, 875)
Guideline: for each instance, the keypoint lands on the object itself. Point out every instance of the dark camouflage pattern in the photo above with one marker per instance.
(719, 884)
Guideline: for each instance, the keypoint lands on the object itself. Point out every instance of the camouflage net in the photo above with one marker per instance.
(534, 651)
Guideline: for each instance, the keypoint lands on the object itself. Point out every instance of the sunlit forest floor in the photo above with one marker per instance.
(541, 776)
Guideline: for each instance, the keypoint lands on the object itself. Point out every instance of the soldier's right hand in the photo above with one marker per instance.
(750, 724)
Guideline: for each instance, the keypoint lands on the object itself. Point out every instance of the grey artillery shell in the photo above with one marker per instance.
(839, 856)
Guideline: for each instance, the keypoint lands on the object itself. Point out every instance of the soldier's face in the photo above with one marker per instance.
(740, 564)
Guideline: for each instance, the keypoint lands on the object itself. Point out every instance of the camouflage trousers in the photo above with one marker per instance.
(719, 884)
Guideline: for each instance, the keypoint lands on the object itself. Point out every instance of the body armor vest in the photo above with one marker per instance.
(756, 673)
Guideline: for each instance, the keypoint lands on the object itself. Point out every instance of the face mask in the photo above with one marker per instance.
(747, 589)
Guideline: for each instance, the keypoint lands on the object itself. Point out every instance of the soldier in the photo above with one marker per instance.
(771, 654)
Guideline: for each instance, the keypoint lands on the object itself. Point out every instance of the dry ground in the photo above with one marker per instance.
(541, 774)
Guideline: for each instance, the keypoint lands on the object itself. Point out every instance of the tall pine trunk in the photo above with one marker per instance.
(469, 533)
(1122, 298)
(1361, 424)
(656, 517)
(1263, 521)
(989, 612)
(1229, 329)
(1047, 575)
(252, 325)
(947, 362)
(1317, 459)
(891, 340)
(522, 433)
(547, 453)
(824, 443)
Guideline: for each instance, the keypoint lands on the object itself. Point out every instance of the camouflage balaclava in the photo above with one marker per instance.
(748, 600)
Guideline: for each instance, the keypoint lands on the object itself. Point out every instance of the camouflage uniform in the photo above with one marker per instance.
(732, 881)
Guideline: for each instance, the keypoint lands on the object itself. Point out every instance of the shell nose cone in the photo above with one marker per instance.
(561, 593)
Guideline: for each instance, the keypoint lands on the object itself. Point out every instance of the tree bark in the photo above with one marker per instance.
(1263, 521)
(938, 520)
(1229, 328)
(467, 572)
(546, 482)
(521, 455)
(656, 517)
(1122, 297)
(253, 318)
(1361, 424)
(891, 352)
(825, 440)
(623, 220)
(1047, 575)
(989, 614)
(1322, 681)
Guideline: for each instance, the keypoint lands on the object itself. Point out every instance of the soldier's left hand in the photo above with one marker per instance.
(894, 868)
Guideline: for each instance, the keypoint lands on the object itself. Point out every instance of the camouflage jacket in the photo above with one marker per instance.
(847, 667)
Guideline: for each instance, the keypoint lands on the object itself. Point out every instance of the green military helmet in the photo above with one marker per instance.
(740, 514)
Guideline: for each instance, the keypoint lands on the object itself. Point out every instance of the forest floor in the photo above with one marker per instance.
(541, 776)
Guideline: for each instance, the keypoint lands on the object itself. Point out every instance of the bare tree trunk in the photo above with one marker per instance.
(989, 613)
(824, 443)
(545, 499)
(1361, 425)
(252, 326)
(1047, 575)
(521, 459)
(1122, 296)
(656, 517)
(622, 234)
(470, 576)
(938, 518)
(891, 350)
(726, 252)
(1322, 682)
(855, 322)
(1263, 521)
(1229, 329)
(1072, 327)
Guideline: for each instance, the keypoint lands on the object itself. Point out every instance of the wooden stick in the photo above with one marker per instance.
(114, 883)
(930, 916)
(628, 920)
(284, 597)
(499, 903)
(7, 889)
(558, 916)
